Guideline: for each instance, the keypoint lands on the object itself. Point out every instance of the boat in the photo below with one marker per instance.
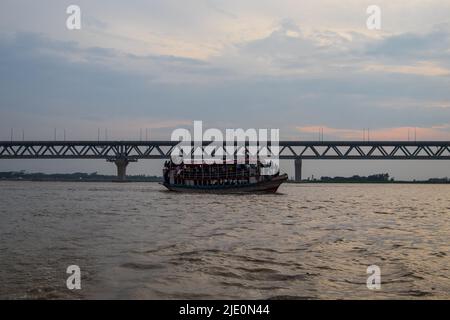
(231, 177)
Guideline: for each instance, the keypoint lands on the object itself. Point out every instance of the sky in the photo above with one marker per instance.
(154, 66)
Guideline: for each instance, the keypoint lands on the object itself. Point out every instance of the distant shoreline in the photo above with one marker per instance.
(382, 178)
(370, 182)
(81, 181)
(73, 177)
(289, 181)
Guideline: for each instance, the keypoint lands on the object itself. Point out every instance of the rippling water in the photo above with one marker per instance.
(309, 241)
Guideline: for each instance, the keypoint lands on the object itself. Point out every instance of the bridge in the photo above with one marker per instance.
(123, 152)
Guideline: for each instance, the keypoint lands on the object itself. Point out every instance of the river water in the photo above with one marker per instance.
(310, 241)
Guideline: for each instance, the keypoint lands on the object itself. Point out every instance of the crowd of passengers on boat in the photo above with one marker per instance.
(213, 174)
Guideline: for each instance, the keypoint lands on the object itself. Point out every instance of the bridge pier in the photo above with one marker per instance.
(298, 169)
(121, 165)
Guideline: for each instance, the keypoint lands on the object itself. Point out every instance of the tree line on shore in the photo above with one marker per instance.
(81, 176)
(374, 178)
(76, 176)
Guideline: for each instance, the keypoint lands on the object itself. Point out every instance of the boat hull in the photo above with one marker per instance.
(269, 186)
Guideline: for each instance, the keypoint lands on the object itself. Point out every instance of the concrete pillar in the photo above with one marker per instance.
(121, 169)
(298, 170)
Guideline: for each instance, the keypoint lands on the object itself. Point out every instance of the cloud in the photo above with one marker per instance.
(424, 68)
(291, 77)
(413, 45)
(60, 78)
(289, 50)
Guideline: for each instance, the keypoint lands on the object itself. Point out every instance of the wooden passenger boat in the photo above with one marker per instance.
(221, 178)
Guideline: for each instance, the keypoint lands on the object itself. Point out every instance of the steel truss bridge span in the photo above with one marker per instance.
(123, 152)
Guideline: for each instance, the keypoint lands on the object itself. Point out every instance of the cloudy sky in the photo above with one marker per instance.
(157, 65)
